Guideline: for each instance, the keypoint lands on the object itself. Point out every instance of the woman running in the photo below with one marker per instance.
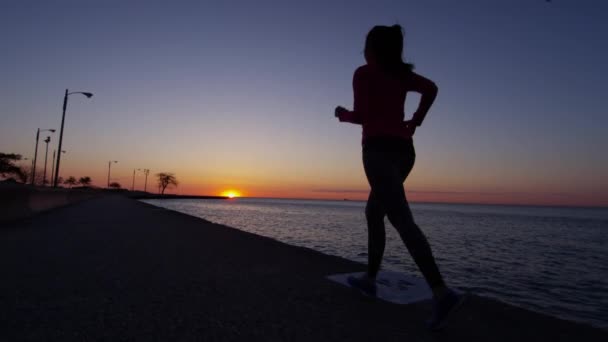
(380, 87)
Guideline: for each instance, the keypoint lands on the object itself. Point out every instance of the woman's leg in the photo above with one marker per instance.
(418, 246)
(385, 173)
(376, 239)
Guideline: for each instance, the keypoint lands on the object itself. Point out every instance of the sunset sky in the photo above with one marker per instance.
(240, 94)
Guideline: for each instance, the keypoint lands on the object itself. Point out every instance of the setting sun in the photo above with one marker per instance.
(231, 193)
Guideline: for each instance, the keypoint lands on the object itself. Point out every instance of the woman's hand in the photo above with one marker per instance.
(410, 127)
(345, 115)
(339, 111)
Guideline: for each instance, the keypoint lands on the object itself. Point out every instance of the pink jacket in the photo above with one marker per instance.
(380, 99)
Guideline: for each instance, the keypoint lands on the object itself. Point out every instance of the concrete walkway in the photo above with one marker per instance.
(114, 269)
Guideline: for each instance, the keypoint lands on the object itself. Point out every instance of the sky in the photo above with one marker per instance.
(239, 95)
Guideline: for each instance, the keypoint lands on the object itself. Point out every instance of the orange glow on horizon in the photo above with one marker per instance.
(225, 182)
(231, 193)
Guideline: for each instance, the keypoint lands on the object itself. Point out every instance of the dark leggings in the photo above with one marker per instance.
(387, 165)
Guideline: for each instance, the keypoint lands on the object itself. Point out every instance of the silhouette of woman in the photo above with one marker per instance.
(380, 88)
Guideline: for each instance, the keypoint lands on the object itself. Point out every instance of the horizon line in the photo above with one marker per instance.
(423, 202)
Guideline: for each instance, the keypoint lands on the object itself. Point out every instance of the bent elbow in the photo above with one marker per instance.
(433, 89)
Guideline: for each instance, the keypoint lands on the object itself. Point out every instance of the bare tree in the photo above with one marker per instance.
(71, 181)
(166, 179)
(27, 172)
(8, 167)
(115, 185)
(85, 181)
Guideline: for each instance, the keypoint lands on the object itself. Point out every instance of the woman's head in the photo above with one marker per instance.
(384, 46)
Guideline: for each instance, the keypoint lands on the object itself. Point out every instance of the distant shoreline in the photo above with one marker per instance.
(147, 195)
(151, 196)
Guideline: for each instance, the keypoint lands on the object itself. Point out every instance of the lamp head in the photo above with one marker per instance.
(52, 130)
(89, 95)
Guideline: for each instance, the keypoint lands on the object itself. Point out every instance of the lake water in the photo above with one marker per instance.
(550, 260)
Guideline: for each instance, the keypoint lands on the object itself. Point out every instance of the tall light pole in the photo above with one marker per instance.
(65, 104)
(109, 168)
(53, 165)
(36, 152)
(47, 141)
(146, 171)
(133, 185)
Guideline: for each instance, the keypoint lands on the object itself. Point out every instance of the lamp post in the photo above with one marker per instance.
(133, 185)
(109, 168)
(65, 104)
(36, 152)
(53, 165)
(47, 141)
(146, 171)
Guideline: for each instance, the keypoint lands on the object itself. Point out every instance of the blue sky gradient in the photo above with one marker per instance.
(241, 94)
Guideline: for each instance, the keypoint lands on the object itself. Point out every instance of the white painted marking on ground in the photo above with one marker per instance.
(393, 287)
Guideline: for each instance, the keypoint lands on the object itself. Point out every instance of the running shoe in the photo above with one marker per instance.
(443, 309)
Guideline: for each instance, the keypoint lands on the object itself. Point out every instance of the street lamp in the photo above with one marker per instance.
(47, 141)
(109, 168)
(133, 185)
(36, 152)
(146, 171)
(65, 104)
(53, 164)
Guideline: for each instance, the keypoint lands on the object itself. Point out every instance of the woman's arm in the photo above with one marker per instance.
(361, 102)
(428, 89)
(345, 115)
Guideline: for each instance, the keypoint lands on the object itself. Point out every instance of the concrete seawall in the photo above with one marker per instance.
(20, 201)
